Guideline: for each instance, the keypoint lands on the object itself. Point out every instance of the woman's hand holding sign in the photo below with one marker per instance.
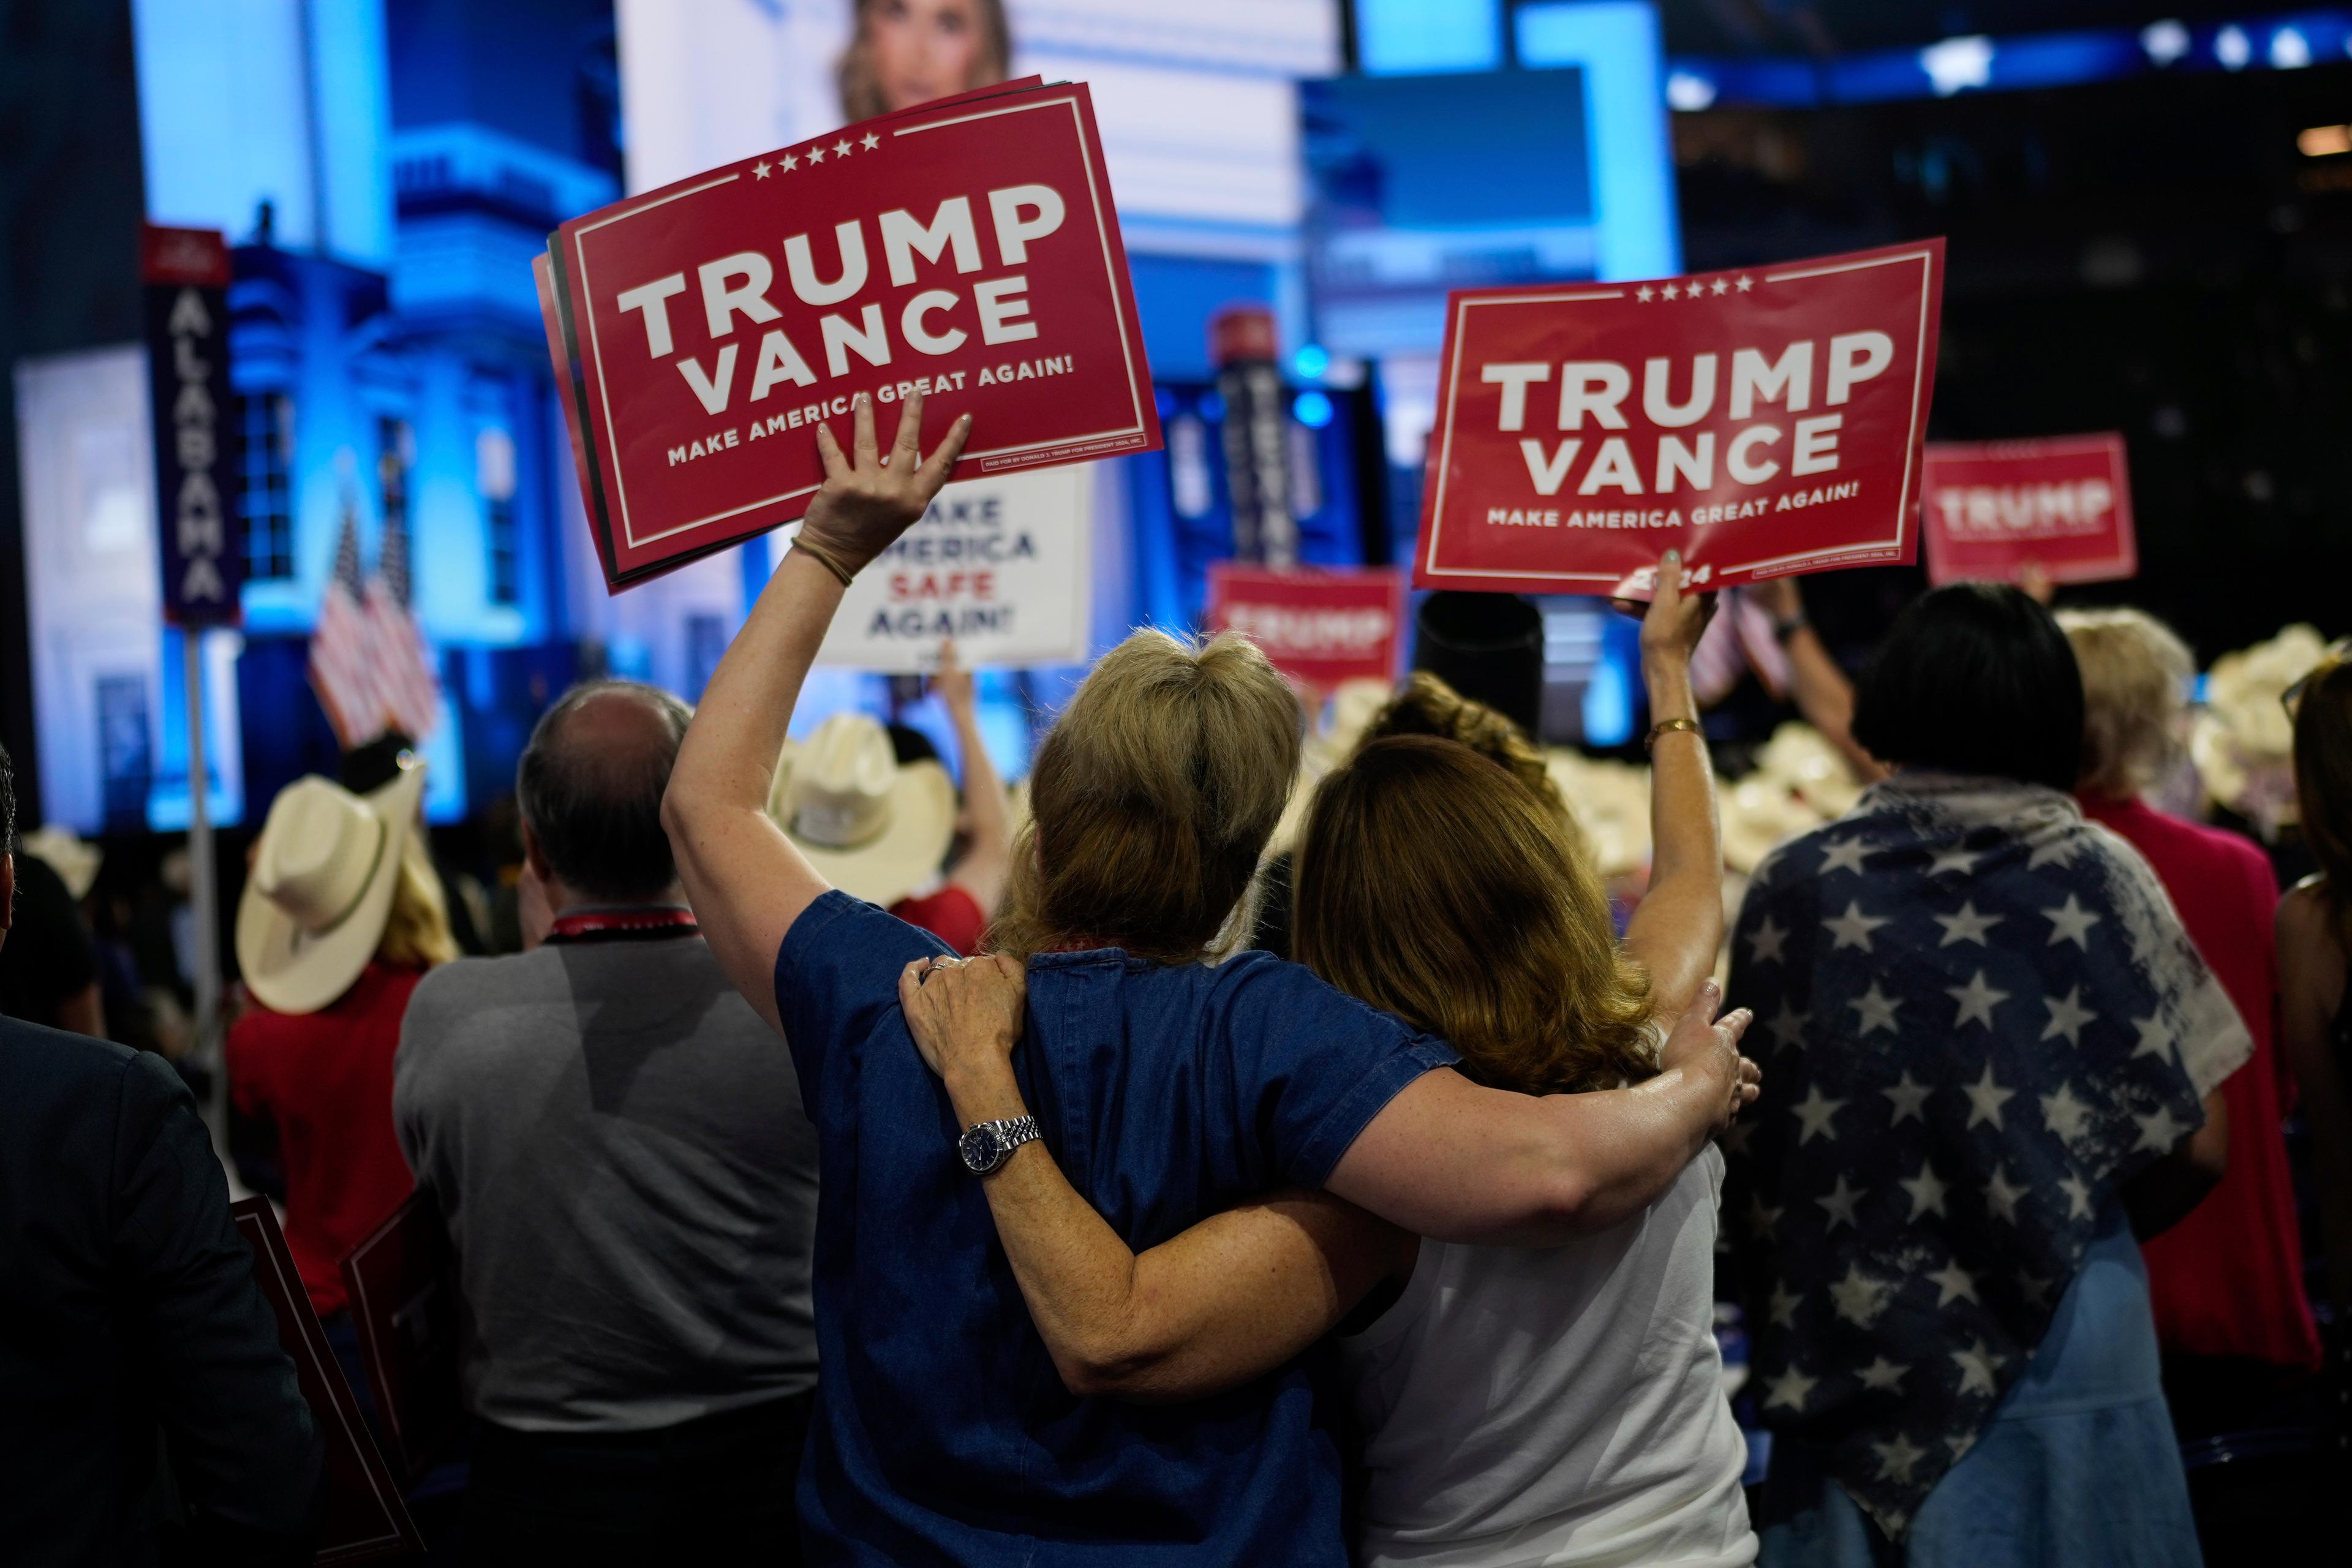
(870, 498)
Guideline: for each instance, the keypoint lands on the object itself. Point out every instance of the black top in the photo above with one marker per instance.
(47, 956)
(128, 1308)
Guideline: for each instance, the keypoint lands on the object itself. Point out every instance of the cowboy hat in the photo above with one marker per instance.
(320, 890)
(871, 828)
(64, 852)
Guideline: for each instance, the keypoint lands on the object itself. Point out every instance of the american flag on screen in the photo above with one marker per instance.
(412, 693)
(368, 662)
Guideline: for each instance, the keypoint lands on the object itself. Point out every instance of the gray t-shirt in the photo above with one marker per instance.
(617, 1142)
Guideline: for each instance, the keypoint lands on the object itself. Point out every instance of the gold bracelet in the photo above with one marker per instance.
(825, 558)
(1668, 727)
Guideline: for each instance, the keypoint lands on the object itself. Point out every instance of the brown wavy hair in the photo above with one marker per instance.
(2323, 785)
(1151, 802)
(1425, 705)
(861, 85)
(1437, 885)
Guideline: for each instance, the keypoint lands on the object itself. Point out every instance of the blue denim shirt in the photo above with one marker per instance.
(1166, 1094)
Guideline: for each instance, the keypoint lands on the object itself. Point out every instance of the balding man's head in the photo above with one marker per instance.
(590, 786)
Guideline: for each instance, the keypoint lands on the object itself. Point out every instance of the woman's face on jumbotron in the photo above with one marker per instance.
(924, 49)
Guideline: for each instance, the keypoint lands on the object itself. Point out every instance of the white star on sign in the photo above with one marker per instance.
(1926, 1190)
(1877, 1011)
(1645, 293)
(2064, 1114)
(1784, 1306)
(871, 142)
(1692, 291)
(1745, 283)
(1968, 926)
(1977, 1000)
(2160, 1130)
(1814, 1114)
(2071, 923)
(2002, 1195)
(1844, 855)
(790, 164)
(1764, 942)
(1840, 1202)
(1852, 928)
(1860, 1299)
(1789, 1389)
(1986, 1099)
(2078, 1196)
(1720, 287)
(1671, 292)
(2067, 1017)
(842, 147)
(817, 154)
(2155, 1038)
(1897, 1459)
(1952, 1282)
(1908, 1096)
(1882, 1374)
(1789, 1028)
(760, 169)
(1961, 860)
(1977, 1364)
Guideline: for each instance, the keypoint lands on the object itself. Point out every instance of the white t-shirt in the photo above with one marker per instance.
(1556, 1407)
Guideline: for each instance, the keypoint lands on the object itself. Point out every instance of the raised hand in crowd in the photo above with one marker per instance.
(1823, 689)
(987, 859)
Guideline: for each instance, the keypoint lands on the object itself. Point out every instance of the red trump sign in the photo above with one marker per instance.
(1320, 627)
(1764, 420)
(2062, 503)
(969, 250)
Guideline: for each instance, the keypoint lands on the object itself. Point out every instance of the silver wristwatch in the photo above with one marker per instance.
(988, 1144)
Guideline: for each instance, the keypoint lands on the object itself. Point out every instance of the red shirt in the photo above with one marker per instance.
(325, 1079)
(2228, 1281)
(950, 914)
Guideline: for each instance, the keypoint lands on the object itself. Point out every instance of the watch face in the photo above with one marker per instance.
(980, 1149)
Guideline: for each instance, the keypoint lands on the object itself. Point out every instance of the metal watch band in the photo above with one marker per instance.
(984, 1146)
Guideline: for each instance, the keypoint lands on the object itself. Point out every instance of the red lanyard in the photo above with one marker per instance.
(623, 925)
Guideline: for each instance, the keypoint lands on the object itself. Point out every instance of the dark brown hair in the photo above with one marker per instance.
(2323, 785)
(1424, 705)
(1434, 884)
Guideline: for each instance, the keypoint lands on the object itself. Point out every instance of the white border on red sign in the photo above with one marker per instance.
(1874, 549)
(1126, 328)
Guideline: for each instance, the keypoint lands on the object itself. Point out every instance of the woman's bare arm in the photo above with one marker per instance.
(1678, 926)
(746, 880)
(2311, 985)
(1228, 1301)
(987, 860)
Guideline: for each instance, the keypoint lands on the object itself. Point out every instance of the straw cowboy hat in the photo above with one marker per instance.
(320, 889)
(875, 830)
(2242, 739)
(64, 851)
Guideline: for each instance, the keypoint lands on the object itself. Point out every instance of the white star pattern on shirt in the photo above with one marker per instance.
(1852, 928)
(1926, 1190)
(1765, 941)
(1762, 1217)
(2155, 1039)
(1844, 855)
(1788, 1027)
(871, 141)
(1882, 1375)
(1986, 1097)
(1954, 859)
(1875, 1010)
(1645, 293)
(1977, 1364)
(2064, 1114)
(1791, 1388)
(1839, 1204)
(1785, 1302)
(1815, 1114)
(2160, 1130)
(760, 169)
(1897, 1459)
(1968, 926)
(1977, 1000)
(2002, 1195)
(1908, 1096)
(2067, 1017)
(1860, 1298)
(2071, 922)
(2034, 1288)
(1952, 1282)
(2078, 1196)
(2057, 852)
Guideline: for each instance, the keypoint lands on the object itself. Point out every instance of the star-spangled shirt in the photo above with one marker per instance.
(1977, 1014)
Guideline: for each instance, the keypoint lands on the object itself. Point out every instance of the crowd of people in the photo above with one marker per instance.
(1195, 1163)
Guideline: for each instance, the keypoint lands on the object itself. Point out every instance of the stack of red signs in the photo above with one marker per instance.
(1762, 420)
(2058, 503)
(968, 248)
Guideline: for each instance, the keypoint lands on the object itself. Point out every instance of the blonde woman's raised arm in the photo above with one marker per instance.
(1678, 927)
